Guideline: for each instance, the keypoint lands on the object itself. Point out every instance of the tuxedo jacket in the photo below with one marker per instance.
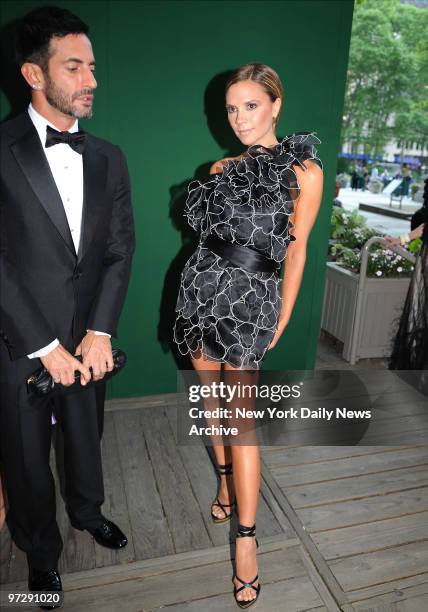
(47, 290)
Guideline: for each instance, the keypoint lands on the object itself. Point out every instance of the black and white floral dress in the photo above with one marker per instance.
(224, 312)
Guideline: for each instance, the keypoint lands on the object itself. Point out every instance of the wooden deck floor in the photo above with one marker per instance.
(158, 492)
(340, 527)
(362, 514)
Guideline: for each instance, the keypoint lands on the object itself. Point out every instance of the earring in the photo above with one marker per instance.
(36, 86)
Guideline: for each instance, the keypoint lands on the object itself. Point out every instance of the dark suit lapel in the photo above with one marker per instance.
(94, 185)
(30, 156)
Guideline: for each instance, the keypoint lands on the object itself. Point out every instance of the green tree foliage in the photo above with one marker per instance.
(387, 84)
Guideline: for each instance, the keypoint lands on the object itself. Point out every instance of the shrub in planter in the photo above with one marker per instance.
(382, 263)
(343, 221)
(349, 234)
(349, 229)
(375, 185)
(343, 179)
(414, 188)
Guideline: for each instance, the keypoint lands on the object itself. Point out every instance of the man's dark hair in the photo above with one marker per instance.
(36, 30)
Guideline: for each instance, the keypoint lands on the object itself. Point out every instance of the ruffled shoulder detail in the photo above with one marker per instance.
(264, 176)
(293, 149)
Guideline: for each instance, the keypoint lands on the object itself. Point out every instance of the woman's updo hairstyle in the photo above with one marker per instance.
(262, 74)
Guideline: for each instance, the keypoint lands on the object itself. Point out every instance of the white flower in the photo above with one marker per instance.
(399, 269)
(378, 272)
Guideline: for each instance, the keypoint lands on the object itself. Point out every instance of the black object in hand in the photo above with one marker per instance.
(41, 382)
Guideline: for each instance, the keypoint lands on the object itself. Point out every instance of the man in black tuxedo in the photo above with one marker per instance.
(66, 245)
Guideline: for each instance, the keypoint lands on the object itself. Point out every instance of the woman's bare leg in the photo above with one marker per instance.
(246, 477)
(209, 372)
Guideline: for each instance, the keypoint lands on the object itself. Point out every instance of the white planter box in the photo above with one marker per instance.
(362, 312)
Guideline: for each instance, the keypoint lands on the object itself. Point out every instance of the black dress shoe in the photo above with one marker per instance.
(109, 535)
(45, 580)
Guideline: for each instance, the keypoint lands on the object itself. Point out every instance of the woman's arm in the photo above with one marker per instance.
(307, 207)
(416, 233)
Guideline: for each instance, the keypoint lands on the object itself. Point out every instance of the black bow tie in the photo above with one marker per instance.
(76, 140)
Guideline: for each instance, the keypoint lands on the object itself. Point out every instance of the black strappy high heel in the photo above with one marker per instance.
(223, 470)
(246, 532)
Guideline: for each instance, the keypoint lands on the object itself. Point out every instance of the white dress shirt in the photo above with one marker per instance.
(67, 170)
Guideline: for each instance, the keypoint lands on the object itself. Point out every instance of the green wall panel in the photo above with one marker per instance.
(159, 99)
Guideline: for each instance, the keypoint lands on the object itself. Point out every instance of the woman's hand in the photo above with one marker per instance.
(392, 241)
(395, 240)
(281, 326)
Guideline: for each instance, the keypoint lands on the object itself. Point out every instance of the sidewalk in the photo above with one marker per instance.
(391, 225)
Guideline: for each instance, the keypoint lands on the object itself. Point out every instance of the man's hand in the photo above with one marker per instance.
(96, 353)
(61, 365)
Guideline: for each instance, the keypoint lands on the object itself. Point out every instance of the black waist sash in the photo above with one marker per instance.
(241, 256)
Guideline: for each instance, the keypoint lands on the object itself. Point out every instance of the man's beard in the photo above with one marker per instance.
(64, 103)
